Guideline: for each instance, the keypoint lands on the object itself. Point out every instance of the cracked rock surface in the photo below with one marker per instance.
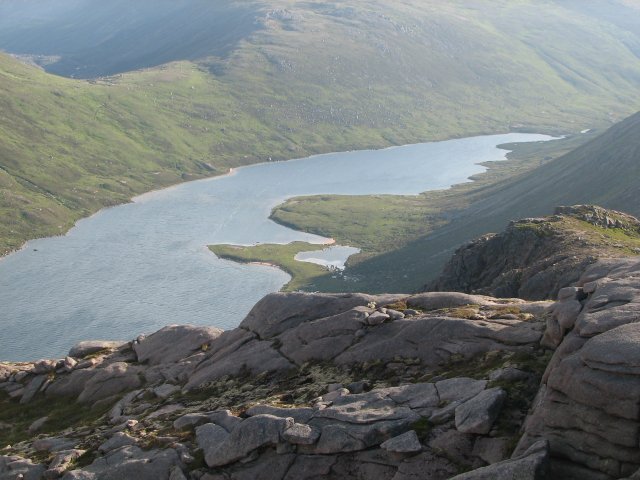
(437, 386)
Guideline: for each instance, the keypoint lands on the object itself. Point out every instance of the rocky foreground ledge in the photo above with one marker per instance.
(430, 386)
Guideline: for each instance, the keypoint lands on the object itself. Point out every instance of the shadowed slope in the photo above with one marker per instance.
(604, 171)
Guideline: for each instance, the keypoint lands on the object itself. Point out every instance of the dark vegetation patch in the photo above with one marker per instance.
(63, 413)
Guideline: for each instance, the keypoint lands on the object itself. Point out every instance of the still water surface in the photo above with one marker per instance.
(333, 257)
(138, 267)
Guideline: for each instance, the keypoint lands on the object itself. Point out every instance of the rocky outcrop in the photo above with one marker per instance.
(284, 332)
(343, 386)
(13, 466)
(173, 343)
(339, 330)
(435, 385)
(536, 257)
(587, 407)
(533, 464)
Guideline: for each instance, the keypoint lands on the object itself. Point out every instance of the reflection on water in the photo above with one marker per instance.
(331, 257)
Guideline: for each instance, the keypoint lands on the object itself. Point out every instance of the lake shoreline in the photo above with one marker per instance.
(144, 265)
(233, 170)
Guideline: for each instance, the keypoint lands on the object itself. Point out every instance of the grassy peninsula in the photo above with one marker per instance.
(303, 274)
(580, 169)
(377, 224)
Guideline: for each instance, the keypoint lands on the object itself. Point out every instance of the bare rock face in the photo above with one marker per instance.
(109, 381)
(119, 439)
(234, 352)
(209, 438)
(274, 315)
(478, 414)
(310, 387)
(563, 316)
(587, 406)
(440, 300)
(128, 462)
(174, 343)
(534, 258)
(533, 464)
(253, 433)
(436, 339)
(406, 443)
(17, 467)
(82, 349)
(284, 331)
(300, 434)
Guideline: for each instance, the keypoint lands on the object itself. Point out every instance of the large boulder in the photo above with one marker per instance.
(324, 338)
(533, 464)
(407, 442)
(244, 354)
(13, 467)
(612, 304)
(251, 434)
(89, 347)
(478, 414)
(118, 440)
(278, 312)
(209, 438)
(32, 388)
(174, 342)
(301, 434)
(562, 318)
(129, 462)
(109, 381)
(70, 385)
(616, 351)
(587, 406)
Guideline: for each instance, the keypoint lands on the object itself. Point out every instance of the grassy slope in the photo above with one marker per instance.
(330, 77)
(69, 148)
(62, 413)
(600, 241)
(303, 274)
(378, 224)
(603, 170)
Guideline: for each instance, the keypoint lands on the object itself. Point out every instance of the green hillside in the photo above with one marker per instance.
(604, 171)
(89, 38)
(68, 148)
(304, 78)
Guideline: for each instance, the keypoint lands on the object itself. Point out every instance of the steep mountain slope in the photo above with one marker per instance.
(68, 148)
(86, 38)
(411, 237)
(603, 171)
(254, 81)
